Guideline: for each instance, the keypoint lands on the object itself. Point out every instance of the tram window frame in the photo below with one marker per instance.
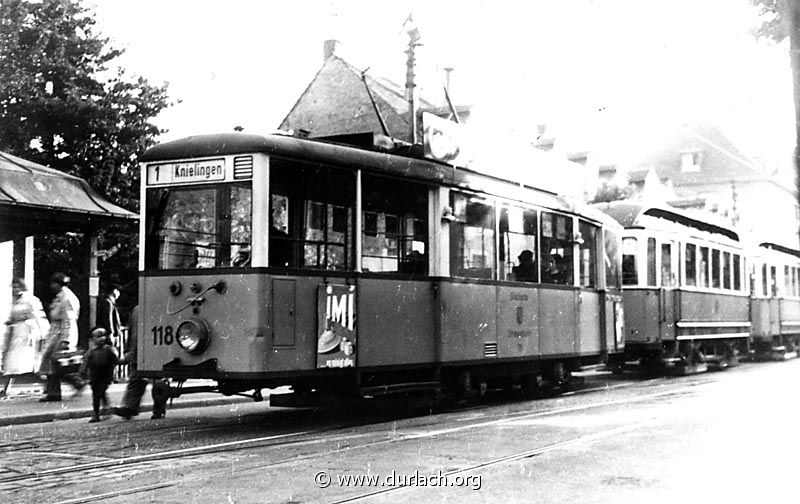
(587, 254)
(401, 248)
(557, 244)
(320, 221)
(218, 250)
(518, 228)
(474, 224)
(612, 259)
(690, 264)
(630, 262)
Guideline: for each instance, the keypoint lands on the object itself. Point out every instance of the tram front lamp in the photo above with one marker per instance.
(193, 335)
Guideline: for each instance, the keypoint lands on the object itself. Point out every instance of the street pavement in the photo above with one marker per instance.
(22, 406)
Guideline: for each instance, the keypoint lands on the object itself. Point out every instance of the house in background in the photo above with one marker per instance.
(339, 101)
(697, 167)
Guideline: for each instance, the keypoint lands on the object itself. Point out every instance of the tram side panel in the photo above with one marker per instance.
(292, 307)
(395, 322)
(517, 322)
(642, 318)
(589, 334)
(468, 322)
(790, 317)
(714, 307)
(557, 323)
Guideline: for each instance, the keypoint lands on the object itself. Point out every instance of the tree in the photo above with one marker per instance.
(62, 105)
(781, 18)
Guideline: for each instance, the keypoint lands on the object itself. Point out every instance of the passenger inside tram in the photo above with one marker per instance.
(554, 271)
(525, 271)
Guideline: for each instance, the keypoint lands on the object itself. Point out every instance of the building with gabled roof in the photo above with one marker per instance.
(339, 101)
(705, 170)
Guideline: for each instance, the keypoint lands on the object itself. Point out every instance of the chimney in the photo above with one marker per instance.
(330, 47)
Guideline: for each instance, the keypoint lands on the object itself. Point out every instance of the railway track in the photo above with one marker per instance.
(339, 436)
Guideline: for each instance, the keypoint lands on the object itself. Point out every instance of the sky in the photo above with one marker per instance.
(604, 75)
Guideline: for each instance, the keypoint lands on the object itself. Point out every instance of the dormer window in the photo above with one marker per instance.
(691, 161)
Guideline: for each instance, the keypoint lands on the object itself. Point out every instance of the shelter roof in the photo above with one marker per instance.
(35, 199)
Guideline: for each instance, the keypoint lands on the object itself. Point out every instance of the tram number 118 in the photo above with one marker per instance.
(163, 335)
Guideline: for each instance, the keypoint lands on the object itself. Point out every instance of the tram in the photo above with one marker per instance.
(775, 302)
(356, 270)
(685, 289)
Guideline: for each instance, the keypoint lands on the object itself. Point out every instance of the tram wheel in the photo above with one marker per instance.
(529, 384)
(464, 385)
(561, 375)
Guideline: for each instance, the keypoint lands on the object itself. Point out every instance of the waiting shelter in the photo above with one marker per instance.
(35, 201)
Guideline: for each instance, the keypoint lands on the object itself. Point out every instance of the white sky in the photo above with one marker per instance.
(602, 73)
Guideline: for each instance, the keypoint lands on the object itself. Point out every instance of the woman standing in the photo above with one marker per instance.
(26, 327)
(63, 334)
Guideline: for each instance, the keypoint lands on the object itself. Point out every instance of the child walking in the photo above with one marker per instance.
(100, 362)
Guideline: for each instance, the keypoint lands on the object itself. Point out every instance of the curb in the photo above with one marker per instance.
(87, 412)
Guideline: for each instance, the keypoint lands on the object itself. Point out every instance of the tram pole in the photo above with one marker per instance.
(411, 87)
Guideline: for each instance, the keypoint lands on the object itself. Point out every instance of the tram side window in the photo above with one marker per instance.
(773, 280)
(611, 258)
(557, 255)
(764, 280)
(311, 216)
(471, 237)
(651, 262)
(726, 270)
(715, 269)
(198, 227)
(737, 273)
(518, 244)
(691, 265)
(395, 233)
(667, 277)
(704, 267)
(630, 273)
(588, 254)
(794, 281)
(787, 281)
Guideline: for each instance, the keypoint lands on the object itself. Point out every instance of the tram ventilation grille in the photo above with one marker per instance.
(243, 167)
(490, 349)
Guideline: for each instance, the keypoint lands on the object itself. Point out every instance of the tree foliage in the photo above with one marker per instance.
(64, 105)
(772, 25)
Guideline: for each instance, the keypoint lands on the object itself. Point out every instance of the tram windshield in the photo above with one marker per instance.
(198, 227)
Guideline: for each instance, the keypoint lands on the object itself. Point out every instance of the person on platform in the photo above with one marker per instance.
(132, 399)
(25, 328)
(98, 364)
(108, 315)
(63, 336)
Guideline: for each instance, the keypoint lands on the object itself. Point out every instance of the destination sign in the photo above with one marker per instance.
(206, 170)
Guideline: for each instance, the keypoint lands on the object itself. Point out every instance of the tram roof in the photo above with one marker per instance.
(780, 248)
(346, 155)
(630, 214)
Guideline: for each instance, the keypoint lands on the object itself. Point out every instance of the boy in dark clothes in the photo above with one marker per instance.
(100, 362)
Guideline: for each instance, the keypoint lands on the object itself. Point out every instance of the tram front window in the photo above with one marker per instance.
(198, 227)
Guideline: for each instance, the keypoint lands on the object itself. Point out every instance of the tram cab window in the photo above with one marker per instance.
(588, 254)
(471, 237)
(311, 216)
(518, 244)
(611, 258)
(557, 245)
(630, 271)
(394, 226)
(737, 273)
(198, 227)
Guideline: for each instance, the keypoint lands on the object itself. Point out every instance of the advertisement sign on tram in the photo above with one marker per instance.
(336, 326)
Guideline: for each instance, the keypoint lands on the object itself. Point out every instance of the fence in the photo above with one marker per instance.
(122, 372)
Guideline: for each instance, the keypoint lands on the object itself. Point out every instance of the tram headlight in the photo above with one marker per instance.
(193, 335)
